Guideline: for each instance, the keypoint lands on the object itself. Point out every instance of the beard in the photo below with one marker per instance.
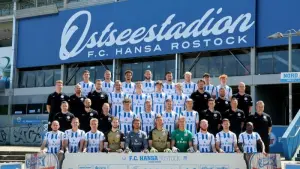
(202, 129)
(147, 78)
(87, 107)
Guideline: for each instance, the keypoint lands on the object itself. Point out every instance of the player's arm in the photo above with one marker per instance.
(150, 139)
(169, 140)
(127, 141)
(82, 141)
(122, 140)
(220, 121)
(173, 139)
(250, 104)
(43, 146)
(243, 119)
(259, 141)
(269, 124)
(102, 138)
(145, 142)
(213, 144)
(190, 140)
(106, 143)
(65, 142)
(236, 148)
(85, 143)
(48, 104)
(240, 143)
(218, 144)
(195, 143)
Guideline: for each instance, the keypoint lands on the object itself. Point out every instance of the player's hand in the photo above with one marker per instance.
(238, 151)
(175, 149)
(145, 151)
(107, 150)
(153, 150)
(167, 150)
(43, 151)
(198, 151)
(67, 151)
(221, 151)
(264, 153)
(61, 152)
(119, 151)
(127, 150)
(191, 150)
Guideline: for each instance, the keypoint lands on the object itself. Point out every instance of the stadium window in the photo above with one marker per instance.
(215, 65)
(280, 59)
(19, 109)
(243, 65)
(137, 69)
(31, 76)
(229, 65)
(22, 79)
(40, 79)
(3, 109)
(296, 60)
(57, 75)
(34, 108)
(100, 71)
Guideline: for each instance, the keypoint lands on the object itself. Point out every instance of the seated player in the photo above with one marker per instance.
(226, 141)
(74, 138)
(114, 139)
(53, 140)
(94, 138)
(204, 142)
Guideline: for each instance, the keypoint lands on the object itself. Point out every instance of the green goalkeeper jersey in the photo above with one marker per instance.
(182, 139)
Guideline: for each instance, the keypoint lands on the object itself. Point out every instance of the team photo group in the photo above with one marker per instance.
(155, 116)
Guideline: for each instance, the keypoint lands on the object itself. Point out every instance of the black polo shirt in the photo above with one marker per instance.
(244, 102)
(214, 119)
(222, 105)
(200, 101)
(64, 120)
(261, 124)
(77, 104)
(236, 119)
(105, 123)
(98, 99)
(85, 117)
(54, 100)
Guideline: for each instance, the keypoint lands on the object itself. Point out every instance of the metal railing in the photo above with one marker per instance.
(6, 8)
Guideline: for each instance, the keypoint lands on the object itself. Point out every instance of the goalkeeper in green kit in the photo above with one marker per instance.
(182, 139)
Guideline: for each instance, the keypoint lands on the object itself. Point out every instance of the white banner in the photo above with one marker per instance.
(41, 161)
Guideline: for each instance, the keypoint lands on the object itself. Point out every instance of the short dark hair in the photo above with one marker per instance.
(234, 98)
(136, 119)
(168, 72)
(224, 120)
(127, 100)
(159, 82)
(200, 80)
(211, 100)
(86, 71)
(206, 75)
(128, 71)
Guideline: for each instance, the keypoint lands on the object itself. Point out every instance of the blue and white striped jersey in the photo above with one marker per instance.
(227, 141)
(209, 88)
(204, 142)
(74, 139)
(125, 119)
(191, 118)
(54, 141)
(179, 102)
(116, 101)
(108, 87)
(170, 119)
(138, 102)
(249, 141)
(158, 102)
(93, 141)
(147, 121)
(189, 88)
(169, 89)
(228, 91)
(148, 87)
(128, 88)
(87, 87)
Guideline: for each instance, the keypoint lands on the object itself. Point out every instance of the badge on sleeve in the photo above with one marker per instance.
(226, 102)
(81, 99)
(246, 98)
(101, 95)
(239, 114)
(91, 114)
(62, 96)
(215, 115)
(109, 119)
(264, 117)
(68, 117)
(205, 95)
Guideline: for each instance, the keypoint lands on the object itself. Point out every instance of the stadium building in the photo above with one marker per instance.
(49, 40)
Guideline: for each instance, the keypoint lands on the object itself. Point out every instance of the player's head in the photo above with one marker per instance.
(87, 103)
(59, 85)
(138, 86)
(169, 76)
(77, 89)
(189, 104)
(136, 123)
(55, 125)
(225, 124)
(105, 108)
(86, 75)
(234, 103)
(98, 84)
(128, 75)
(158, 86)
(126, 104)
(206, 77)
(222, 92)
(211, 103)
(249, 127)
(107, 75)
(242, 87)
(260, 107)
(148, 74)
(223, 79)
(64, 106)
(115, 123)
(181, 122)
(148, 105)
(203, 125)
(201, 84)
(187, 76)
(118, 85)
(178, 87)
(94, 124)
(159, 121)
(75, 123)
(169, 105)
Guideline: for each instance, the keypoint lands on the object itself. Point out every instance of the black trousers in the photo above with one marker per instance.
(266, 141)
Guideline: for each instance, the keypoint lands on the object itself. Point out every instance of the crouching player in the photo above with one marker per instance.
(204, 142)
(114, 139)
(182, 139)
(159, 137)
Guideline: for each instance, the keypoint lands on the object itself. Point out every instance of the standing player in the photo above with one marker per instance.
(114, 139)
(159, 137)
(208, 86)
(204, 142)
(86, 85)
(228, 91)
(136, 140)
(200, 98)
(128, 86)
(126, 116)
(222, 104)
(244, 100)
(86, 116)
(94, 138)
(248, 140)
(188, 87)
(107, 84)
(54, 102)
(182, 139)
(116, 99)
(148, 84)
(64, 117)
(170, 117)
(138, 99)
(226, 141)
(158, 98)
(236, 116)
(213, 117)
(191, 117)
(169, 85)
(77, 101)
(105, 119)
(98, 97)
(53, 140)
(74, 138)
(179, 99)
(147, 117)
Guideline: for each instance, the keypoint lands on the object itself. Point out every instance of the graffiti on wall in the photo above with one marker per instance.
(4, 135)
(28, 135)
